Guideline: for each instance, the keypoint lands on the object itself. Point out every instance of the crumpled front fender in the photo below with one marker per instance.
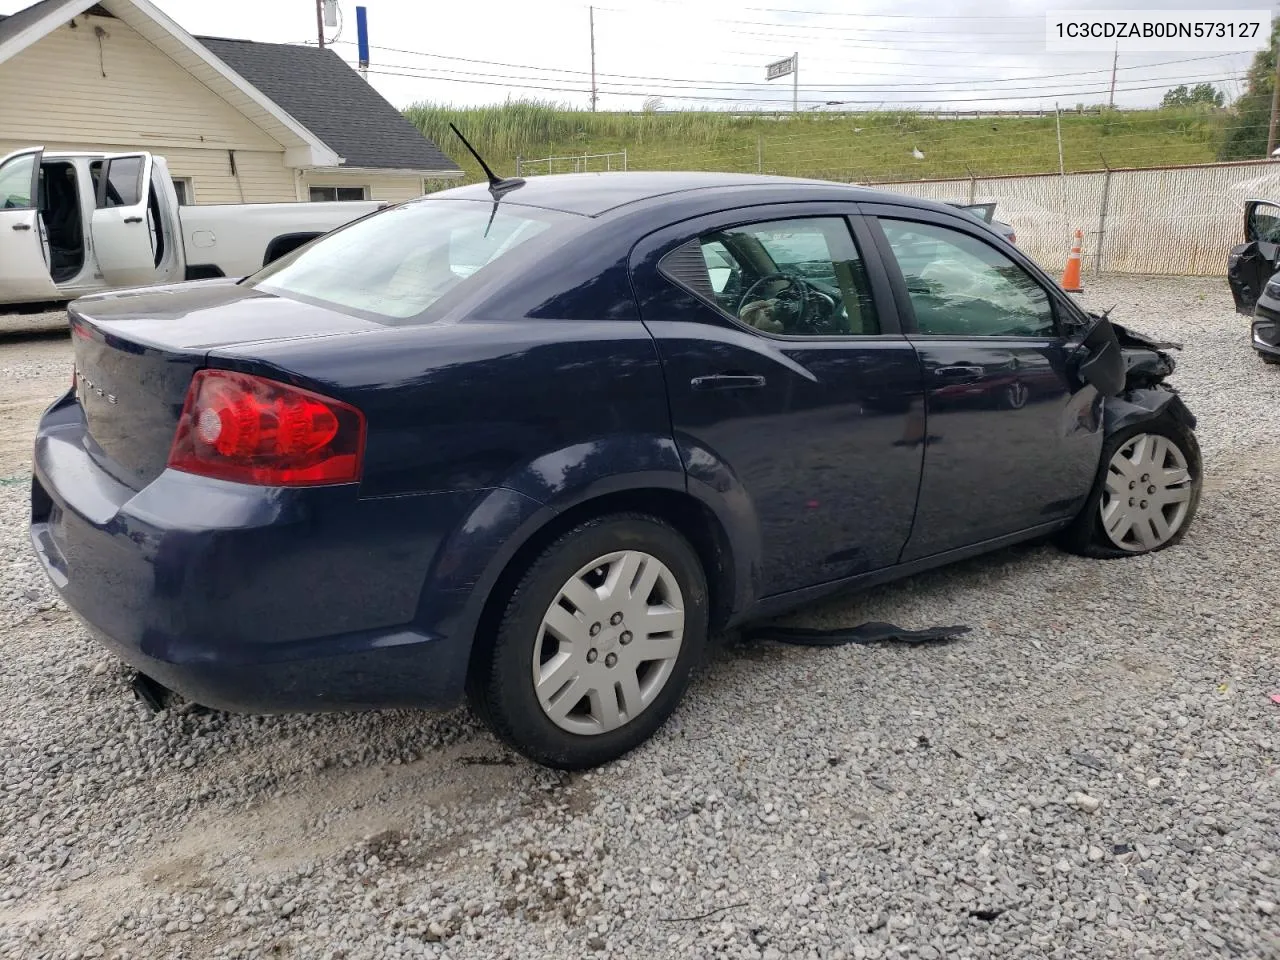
(1137, 406)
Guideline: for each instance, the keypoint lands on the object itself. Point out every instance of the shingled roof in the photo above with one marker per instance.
(319, 90)
(13, 24)
(314, 87)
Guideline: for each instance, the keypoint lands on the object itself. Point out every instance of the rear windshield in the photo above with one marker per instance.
(394, 265)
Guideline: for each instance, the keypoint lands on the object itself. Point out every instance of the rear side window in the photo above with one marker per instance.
(124, 181)
(394, 265)
(801, 277)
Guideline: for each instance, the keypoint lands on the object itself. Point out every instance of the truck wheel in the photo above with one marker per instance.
(596, 644)
(1146, 493)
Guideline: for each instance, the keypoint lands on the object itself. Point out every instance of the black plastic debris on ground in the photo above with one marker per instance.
(865, 634)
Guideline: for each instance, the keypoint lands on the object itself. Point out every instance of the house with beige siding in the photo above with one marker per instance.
(237, 121)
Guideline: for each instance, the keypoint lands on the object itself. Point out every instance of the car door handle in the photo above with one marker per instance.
(132, 219)
(22, 226)
(958, 373)
(728, 381)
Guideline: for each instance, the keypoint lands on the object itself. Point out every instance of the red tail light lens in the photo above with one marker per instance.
(235, 426)
(1013, 238)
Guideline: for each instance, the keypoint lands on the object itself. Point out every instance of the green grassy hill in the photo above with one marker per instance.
(840, 146)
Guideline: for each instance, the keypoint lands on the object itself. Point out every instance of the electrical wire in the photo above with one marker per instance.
(419, 73)
(676, 88)
(803, 86)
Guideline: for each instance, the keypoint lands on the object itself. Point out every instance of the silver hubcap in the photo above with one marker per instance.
(608, 642)
(1147, 495)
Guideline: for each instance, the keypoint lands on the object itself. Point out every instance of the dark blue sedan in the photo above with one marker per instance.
(534, 447)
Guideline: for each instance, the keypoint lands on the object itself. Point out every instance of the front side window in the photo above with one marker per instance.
(801, 277)
(16, 177)
(397, 263)
(962, 287)
(1264, 223)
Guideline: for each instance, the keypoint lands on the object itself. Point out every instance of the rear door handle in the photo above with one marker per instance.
(132, 219)
(728, 381)
(22, 226)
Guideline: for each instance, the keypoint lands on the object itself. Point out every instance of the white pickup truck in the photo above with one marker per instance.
(78, 223)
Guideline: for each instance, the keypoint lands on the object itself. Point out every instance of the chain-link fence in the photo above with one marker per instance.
(1163, 220)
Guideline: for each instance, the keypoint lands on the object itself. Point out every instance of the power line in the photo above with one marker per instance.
(872, 16)
(674, 87)
(703, 98)
(1033, 35)
(708, 82)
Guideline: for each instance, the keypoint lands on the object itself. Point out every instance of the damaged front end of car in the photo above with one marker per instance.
(1129, 369)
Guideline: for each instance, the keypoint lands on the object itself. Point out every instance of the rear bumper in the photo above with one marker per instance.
(256, 599)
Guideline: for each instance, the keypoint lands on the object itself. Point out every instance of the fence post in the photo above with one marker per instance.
(1102, 218)
(973, 183)
(624, 158)
(518, 170)
(759, 153)
(1062, 170)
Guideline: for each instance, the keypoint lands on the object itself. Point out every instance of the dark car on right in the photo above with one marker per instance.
(1252, 274)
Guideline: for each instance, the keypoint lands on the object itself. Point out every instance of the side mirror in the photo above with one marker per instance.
(1103, 366)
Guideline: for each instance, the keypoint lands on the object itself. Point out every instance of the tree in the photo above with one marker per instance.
(1202, 94)
(1246, 136)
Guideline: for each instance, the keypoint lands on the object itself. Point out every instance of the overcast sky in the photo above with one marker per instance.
(712, 53)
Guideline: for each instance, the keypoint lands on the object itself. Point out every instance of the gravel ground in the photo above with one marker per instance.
(1093, 772)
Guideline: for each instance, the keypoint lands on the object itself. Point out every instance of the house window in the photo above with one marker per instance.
(185, 190)
(321, 194)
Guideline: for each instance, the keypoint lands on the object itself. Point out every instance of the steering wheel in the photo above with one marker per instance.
(795, 294)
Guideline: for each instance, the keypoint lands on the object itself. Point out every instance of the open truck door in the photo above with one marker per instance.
(1251, 264)
(24, 254)
(123, 225)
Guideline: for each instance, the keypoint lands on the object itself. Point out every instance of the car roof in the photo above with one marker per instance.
(596, 194)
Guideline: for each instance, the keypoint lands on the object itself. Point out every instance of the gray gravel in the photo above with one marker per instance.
(1093, 772)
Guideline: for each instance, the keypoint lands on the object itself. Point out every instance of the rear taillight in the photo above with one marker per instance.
(249, 429)
(1013, 238)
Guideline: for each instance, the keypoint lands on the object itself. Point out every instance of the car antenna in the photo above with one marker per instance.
(497, 185)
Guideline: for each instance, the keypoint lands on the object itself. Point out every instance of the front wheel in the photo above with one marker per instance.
(1146, 493)
(596, 644)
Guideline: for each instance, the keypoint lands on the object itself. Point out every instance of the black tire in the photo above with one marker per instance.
(1086, 535)
(1269, 358)
(501, 687)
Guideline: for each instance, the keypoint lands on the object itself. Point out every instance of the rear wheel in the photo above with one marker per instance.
(1270, 358)
(1146, 493)
(596, 644)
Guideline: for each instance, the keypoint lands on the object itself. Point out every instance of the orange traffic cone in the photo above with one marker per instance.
(1071, 275)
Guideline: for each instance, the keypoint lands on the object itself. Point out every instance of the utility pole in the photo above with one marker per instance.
(1275, 102)
(591, 13)
(1114, 63)
(320, 21)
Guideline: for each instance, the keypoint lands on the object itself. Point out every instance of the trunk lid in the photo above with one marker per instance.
(136, 352)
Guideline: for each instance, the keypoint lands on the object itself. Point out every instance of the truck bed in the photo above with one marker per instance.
(233, 236)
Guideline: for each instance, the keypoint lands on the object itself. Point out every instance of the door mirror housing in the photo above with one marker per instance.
(1102, 365)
